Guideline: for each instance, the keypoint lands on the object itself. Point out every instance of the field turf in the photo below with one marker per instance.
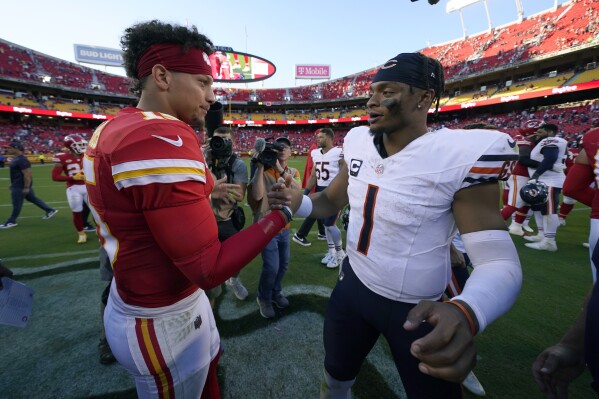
(55, 355)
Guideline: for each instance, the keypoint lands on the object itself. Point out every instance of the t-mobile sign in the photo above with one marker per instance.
(312, 71)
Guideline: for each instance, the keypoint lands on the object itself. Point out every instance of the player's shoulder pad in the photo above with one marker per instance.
(357, 132)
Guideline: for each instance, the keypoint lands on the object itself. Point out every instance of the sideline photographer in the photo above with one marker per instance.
(270, 163)
(230, 218)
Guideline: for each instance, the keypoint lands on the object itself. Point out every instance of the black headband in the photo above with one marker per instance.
(409, 68)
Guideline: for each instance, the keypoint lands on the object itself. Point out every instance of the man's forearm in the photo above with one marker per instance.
(323, 206)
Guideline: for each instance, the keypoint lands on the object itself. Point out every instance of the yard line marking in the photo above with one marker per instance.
(54, 255)
(22, 271)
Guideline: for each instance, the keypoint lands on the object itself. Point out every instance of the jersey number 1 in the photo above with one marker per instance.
(369, 204)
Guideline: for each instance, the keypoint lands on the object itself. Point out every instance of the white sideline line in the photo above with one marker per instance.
(54, 255)
(27, 203)
(23, 271)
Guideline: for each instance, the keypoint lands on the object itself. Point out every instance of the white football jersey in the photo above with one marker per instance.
(326, 166)
(549, 177)
(401, 222)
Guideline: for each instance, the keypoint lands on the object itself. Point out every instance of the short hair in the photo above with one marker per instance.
(328, 131)
(224, 130)
(550, 127)
(480, 125)
(139, 37)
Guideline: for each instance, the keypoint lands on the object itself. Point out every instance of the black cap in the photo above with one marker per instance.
(413, 69)
(284, 140)
(17, 144)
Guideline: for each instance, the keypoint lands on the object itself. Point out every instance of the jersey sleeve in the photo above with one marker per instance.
(155, 165)
(494, 163)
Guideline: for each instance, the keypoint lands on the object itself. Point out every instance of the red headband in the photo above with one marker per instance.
(172, 57)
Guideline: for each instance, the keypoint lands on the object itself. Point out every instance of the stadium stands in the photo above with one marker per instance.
(571, 26)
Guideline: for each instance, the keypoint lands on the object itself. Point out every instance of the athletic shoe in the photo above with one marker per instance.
(322, 237)
(562, 221)
(341, 255)
(89, 229)
(543, 245)
(516, 230)
(329, 257)
(82, 238)
(8, 225)
(333, 263)
(246, 69)
(586, 245)
(301, 240)
(266, 309)
(106, 356)
(336, 261)
(240, 292)
(472, 384)
(527, 228)
(535, 238)
(280, 302)
(50, 214)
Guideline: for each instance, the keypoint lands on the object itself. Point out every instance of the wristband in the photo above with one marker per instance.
(305, 208)
(288, 214)
(467, 314)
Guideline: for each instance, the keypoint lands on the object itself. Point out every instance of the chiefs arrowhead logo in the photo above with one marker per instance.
(533, 123)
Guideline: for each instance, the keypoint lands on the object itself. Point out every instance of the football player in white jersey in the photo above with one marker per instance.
(547, 153)
(409, 190)
(327, 159)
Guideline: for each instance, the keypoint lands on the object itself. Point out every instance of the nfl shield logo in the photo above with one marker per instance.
(379, 169)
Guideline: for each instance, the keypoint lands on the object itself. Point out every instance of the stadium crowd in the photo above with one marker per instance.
(45, 137)
(163, 200)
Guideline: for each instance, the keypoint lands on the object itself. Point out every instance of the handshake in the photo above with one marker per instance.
(79, 176)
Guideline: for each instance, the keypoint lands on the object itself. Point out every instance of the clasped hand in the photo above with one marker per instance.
(281, 194)
(448, 351)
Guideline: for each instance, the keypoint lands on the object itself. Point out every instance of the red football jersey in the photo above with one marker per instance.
(519, 169)
(137, 165)
(71, 165)
(570, 157)
(590, 144)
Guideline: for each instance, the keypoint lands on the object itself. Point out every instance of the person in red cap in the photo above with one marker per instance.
(21, 186)
(149, 190)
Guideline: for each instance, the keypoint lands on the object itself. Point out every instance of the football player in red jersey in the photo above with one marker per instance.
(68, 168)
(149, 191)
(568, 203)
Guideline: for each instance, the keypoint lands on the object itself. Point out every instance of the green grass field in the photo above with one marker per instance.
(43, 254)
